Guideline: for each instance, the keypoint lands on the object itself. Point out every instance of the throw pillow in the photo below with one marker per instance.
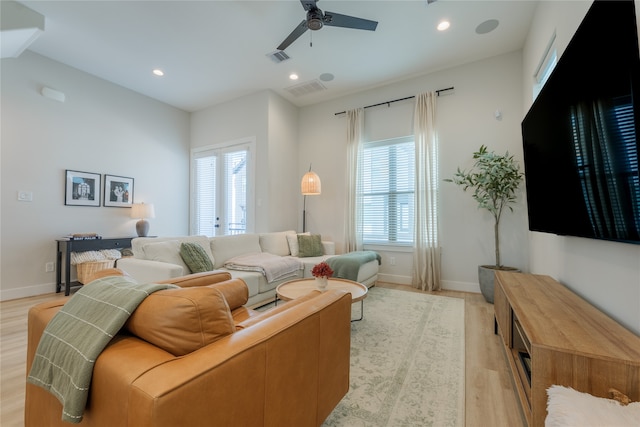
(292, 239)
(165, 251)
(309, 245)
(195, 257)
(275, 243)
(224, 248)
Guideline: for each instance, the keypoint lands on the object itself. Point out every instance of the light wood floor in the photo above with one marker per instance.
(490, 397)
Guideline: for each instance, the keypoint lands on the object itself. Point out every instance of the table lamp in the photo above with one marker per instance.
(142, 211)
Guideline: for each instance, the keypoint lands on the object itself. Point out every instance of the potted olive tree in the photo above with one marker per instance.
(494, 180)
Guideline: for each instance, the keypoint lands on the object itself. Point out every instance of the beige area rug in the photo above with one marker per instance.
(407, 362)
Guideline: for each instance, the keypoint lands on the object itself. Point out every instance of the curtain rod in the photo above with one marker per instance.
(396, 100)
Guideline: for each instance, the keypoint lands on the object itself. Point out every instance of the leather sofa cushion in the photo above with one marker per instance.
(182, 320)
(235, 291)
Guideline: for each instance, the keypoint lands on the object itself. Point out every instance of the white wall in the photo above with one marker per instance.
(284, 180)
(465, 120)
(100, 128)
(272, 121)
(607, 274)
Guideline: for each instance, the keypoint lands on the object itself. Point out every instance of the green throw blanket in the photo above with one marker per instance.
(347, 266)
(77, 334)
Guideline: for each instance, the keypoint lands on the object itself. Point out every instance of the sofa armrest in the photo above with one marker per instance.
(276, 310)
(147, 271)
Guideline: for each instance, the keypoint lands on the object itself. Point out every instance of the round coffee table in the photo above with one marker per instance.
(298, 287)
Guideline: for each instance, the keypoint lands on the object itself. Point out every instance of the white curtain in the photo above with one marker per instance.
(353, 229)
(426, 251)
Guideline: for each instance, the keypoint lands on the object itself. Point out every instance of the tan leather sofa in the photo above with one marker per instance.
(206, 360)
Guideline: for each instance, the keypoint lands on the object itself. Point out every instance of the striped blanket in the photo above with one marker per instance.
(77, 334)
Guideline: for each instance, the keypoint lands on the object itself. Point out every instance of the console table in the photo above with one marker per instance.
(66, 246)
(552, 336)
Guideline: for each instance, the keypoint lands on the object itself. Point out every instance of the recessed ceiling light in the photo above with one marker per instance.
(443, 25)
(293, 76)
(158, 72)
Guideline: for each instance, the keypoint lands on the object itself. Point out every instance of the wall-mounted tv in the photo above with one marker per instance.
(580, 136)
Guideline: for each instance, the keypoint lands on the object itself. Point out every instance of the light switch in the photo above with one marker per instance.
(25, 196)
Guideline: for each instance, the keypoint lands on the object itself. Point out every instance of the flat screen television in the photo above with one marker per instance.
(580, 136)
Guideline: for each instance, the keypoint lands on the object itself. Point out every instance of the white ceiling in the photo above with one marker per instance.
(215, 51)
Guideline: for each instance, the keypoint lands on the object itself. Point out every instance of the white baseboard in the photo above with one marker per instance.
(394, 278)
(446, 284)
(28, 291)
(460, 286)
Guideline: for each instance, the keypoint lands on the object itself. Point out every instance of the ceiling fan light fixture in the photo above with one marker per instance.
(314, 19)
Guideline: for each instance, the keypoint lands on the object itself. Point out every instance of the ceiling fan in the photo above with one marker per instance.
(316, 19)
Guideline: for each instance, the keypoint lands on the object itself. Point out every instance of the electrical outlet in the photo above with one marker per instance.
(25, 196)
(392, 260)
(49, 267)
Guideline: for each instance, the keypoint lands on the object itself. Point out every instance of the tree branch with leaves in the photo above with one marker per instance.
(494, 179)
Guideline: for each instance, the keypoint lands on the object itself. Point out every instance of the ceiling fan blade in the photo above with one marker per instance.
(337, 20)
(309, 4)
(297, 32)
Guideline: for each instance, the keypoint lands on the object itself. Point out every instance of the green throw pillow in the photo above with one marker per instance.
(310, 245)
(195, 257)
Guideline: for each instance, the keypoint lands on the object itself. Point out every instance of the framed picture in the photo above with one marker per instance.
(118, 191)
(82, 188)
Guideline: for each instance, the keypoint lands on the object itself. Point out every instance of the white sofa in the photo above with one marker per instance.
(158, 258)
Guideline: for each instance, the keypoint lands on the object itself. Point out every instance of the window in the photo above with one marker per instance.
(220, 190)
(546, 66)
(386, 191)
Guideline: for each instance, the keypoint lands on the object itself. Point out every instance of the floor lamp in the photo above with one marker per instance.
(310, 186)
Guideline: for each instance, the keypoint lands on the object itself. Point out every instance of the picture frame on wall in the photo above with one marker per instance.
(118, 191)
(82, 188)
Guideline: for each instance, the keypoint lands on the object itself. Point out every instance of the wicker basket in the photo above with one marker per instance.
(87, 269)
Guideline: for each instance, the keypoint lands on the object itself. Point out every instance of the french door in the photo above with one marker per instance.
(221, 184)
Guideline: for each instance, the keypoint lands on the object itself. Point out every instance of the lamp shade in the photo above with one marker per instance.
(142, 210)
(310, 184)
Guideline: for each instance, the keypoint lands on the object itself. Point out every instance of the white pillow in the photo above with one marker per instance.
(224, 248)
(568, 407)
(167, 251)
(275, 243)
(292, 239)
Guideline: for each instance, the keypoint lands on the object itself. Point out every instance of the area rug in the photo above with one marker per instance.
(407, 362)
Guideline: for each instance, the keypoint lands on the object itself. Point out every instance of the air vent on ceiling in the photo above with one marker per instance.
(306, 88)
(278, 56)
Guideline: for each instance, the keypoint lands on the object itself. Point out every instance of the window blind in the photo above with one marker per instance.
(386, 191)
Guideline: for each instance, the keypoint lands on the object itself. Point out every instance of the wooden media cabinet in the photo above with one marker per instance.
(552, 336)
